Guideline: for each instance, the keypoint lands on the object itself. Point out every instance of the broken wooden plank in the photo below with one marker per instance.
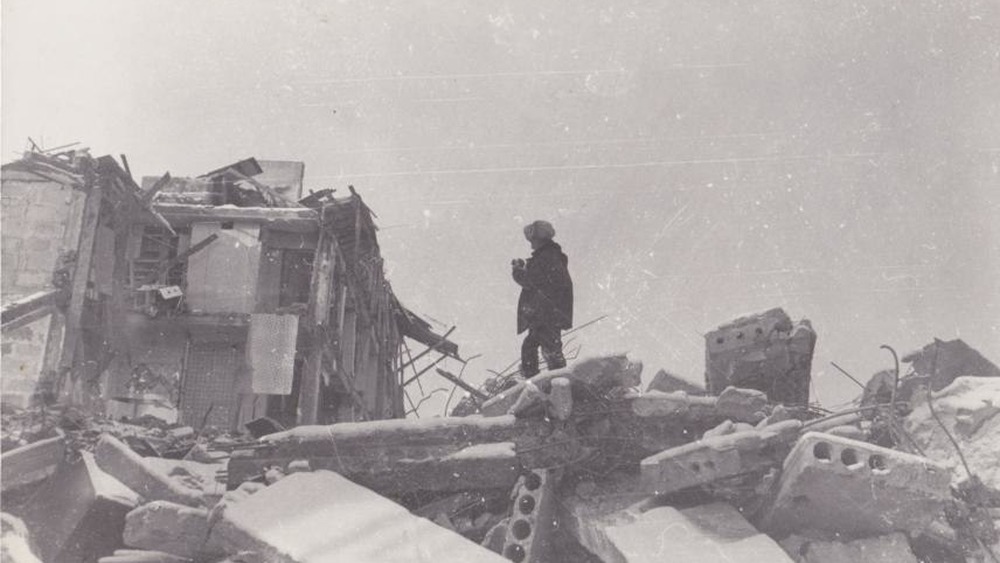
(472, 390)
(318, 317)
(17, 309)
(147, 196)
(440, 343)
(81, 273)
(182, 257)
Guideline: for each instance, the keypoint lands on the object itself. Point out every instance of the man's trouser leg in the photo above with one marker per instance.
(529, 354)
(550, 339)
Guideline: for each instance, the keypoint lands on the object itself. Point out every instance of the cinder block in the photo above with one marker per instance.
(532, 518)
(718, 457)
(715, 533)
(127, 466)
(767, 352)
(79, 514)
(856, 489)
(322, 517)
(171, 528)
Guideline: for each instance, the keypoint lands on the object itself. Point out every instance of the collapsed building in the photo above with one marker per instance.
(272, 311)
(225, 298)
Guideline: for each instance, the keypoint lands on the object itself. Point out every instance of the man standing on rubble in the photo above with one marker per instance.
(545, 307)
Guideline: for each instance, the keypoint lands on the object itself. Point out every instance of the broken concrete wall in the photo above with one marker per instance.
(943, 360)
(222, 278)
(22, 360)
(767, 352)
(40, 220)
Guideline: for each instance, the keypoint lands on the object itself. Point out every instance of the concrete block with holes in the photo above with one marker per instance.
(532, 517)
(718, 457)
(856, 489)
(767, 352)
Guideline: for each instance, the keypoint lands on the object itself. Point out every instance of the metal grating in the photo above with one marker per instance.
(210, 380)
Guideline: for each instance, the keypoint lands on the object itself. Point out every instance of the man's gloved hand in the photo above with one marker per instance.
(517, 263)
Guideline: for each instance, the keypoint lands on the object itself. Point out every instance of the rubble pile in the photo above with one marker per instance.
(575, 464)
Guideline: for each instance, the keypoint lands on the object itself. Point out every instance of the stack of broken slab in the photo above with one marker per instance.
(575, 465)
(572, 465)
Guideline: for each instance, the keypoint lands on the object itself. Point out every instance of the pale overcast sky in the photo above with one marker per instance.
(699, 159)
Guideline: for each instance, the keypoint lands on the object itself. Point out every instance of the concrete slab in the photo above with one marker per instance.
(322, 517)
(121, 462)
(893, 548)
(715, 533)
(171, 528)
(856, 489)
(79, 514)
(718, 457)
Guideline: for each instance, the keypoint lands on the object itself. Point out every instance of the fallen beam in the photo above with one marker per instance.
(296, 219)
(413, 455)
(16, 309)
(454, 379)
(183, 256)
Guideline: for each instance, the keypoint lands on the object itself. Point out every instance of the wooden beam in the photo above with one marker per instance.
(295, 219)
(316, 319)
(416, 376)
(444, 339)
(135, 203)
(128, 169)
(81, 274)
(454, 379)
(17, 309)
(183, 256)
(148, 195)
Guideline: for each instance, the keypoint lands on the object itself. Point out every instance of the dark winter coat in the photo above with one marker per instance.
(546, 290)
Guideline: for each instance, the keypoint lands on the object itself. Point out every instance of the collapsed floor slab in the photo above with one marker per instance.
(714, 533)
(320, 516)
